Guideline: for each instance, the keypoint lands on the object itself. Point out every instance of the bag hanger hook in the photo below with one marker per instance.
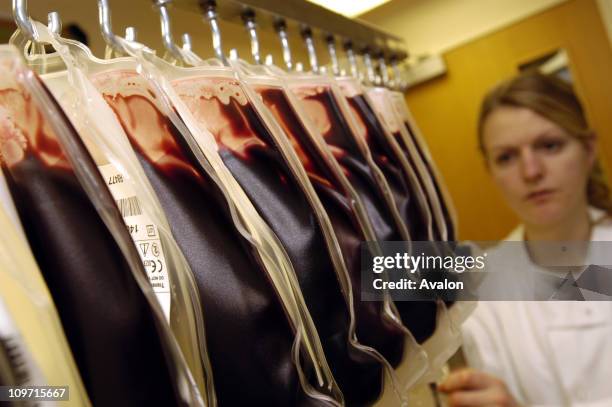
(312, 53)
(210, 13)
(130, 34)
(29, 33)
(22, 18)
(54, 22)
(382, 67)
(350, 55)
(281, 28)
(166, 29)
(187, 44)
(367, 60)
(333, 55)
(398, 82)
(104, 19)
(248, 16)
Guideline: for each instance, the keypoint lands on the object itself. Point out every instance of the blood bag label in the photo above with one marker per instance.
(144, 233)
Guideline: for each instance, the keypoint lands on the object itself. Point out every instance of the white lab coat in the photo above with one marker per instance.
(548, 353)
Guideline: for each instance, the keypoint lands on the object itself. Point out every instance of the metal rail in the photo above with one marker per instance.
(300, 13)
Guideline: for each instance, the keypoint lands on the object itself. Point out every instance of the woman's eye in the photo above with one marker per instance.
(504, 158)
(551, 146)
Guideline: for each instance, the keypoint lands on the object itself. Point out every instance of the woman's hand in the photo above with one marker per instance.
(473, 388)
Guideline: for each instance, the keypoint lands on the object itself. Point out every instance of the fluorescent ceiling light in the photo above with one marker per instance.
(349, 8)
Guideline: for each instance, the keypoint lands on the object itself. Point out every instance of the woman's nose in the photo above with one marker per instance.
(532, 168)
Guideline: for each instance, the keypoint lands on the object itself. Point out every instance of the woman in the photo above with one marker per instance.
(541, 154)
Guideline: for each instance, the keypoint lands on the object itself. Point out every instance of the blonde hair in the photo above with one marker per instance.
(555, 100)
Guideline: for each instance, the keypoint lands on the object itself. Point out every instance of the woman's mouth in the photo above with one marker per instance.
(540, 195)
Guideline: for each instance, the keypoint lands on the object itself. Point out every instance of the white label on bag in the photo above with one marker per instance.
(144, 233)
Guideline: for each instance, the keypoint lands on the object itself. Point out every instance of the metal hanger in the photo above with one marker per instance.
(352, 60)
(312, 53)
(22, 19)
(187, 44)
(54, 22)
(398, 80)
(382, 67)
(281, 28)
(130, 34)
(166, 28)
(184, 53)
(248, 16)
(104, 19)
(370, 77)
(32, 40)
(333, 55)
(210, 14)
(27, 34)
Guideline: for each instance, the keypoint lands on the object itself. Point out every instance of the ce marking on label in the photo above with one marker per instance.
(153, 266)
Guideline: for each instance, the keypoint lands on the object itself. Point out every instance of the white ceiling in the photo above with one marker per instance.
(349, 8)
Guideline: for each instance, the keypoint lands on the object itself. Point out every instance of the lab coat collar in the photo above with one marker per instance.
(602, 230)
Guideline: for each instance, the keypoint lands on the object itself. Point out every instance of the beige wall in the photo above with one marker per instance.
(605, 9)
(434, 26)
(446, 108)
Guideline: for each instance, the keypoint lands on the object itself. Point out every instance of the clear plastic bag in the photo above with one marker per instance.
(459, 311)
(168, 271)
(52, 175)
(341, 201)
(403, 181)
(325, 106)
(413, 132)
(214, 88)
(447, 337)
(386, 106)
(272, 248)
(147, 82)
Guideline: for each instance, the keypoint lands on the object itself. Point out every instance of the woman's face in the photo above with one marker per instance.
(540, 169)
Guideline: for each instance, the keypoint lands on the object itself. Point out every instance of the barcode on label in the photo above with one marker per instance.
(129, 206)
